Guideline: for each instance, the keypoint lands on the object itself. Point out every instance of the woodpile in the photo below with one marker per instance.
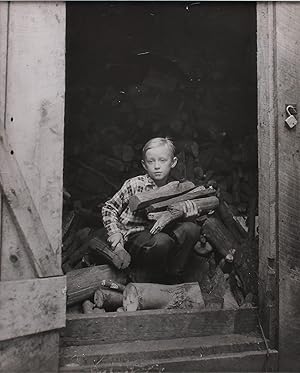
(220, 163)
(223, 262)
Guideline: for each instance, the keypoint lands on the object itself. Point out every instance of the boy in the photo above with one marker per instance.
(163, 255)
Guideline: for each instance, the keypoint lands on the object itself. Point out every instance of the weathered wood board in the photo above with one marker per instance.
(288, 92)
(267, 166)
(34, 120)
(29, 354)
(31, 306)
(278, 26)
(32, 86)
(115, 327)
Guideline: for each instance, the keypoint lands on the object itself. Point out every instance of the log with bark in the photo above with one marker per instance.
(108, 299)
(97, 245)
(219, 237)
(213, 287)
(193, 194)
(88, 306)
(176, 211)
(172, 189)
(82, 283)
(69, 251)
(113, 285)
(143, 296)
(231, 224)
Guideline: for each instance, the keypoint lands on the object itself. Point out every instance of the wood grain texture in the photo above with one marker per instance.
(267, 168)
(34, 121)
(31, 306)
(249, 361)
(82, 283)
(160, 349)
(117, 327)
(172, 189)
(195, 193)
(32, 69)
(279, 200)
(288, 92)
(3, 75)
(24, 215)
(31, 354)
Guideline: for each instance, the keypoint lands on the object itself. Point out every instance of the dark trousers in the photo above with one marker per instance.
(163, 256)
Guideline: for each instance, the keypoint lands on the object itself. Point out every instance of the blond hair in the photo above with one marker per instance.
(158, 141)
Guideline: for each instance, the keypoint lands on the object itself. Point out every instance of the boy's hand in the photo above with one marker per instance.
(121, 258)
(115, 240)
(157, 227)
(190, 209)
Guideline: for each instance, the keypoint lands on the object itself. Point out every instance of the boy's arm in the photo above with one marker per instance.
(113, 208)
(111, 211)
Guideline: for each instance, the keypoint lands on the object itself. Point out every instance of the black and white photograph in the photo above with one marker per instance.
(149, 186)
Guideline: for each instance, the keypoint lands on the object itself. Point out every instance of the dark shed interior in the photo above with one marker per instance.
(141, 70)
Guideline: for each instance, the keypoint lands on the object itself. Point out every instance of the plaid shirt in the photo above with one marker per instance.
(117, 216)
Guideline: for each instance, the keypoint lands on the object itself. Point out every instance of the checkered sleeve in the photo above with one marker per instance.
(113, 208)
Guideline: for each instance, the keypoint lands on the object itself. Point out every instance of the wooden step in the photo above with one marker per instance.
(162, 349)
(119, 327)
(249, 361)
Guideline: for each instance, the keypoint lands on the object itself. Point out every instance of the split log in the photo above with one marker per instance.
(88, 306)
(229, 300)
(76, 308)
(67, 222)
(143, 296)
(193, 194)
(172, 189)
(251, 217)
(246, 267)
(110, 300)
(176, 211)
(96, 244)
(213, 287)
(119, 256)
(82, 283)
(113, 285)
(79, 238)
(219, 237)
(203, 249)
(196, 268)
(233, 225)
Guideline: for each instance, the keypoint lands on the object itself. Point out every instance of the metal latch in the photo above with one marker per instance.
(291, 120)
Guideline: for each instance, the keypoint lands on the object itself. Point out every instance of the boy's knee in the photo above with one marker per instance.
(187, 230)
(162, 241)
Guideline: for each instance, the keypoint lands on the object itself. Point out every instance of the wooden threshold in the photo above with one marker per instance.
(156, 325)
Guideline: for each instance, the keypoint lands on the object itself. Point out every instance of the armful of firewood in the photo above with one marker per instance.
(176, 211)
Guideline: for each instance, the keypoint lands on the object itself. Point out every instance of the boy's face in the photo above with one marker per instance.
(158, 163)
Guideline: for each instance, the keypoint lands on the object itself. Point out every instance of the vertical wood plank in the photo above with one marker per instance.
(278, 26)
(288, 92)
(3, 62)
(35, 120)
(268, 168)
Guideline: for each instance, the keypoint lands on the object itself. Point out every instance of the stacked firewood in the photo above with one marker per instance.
(102, 288)
(224, 261)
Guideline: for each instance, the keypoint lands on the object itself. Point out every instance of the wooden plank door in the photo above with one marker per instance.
(32, 86)
(278, 41)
